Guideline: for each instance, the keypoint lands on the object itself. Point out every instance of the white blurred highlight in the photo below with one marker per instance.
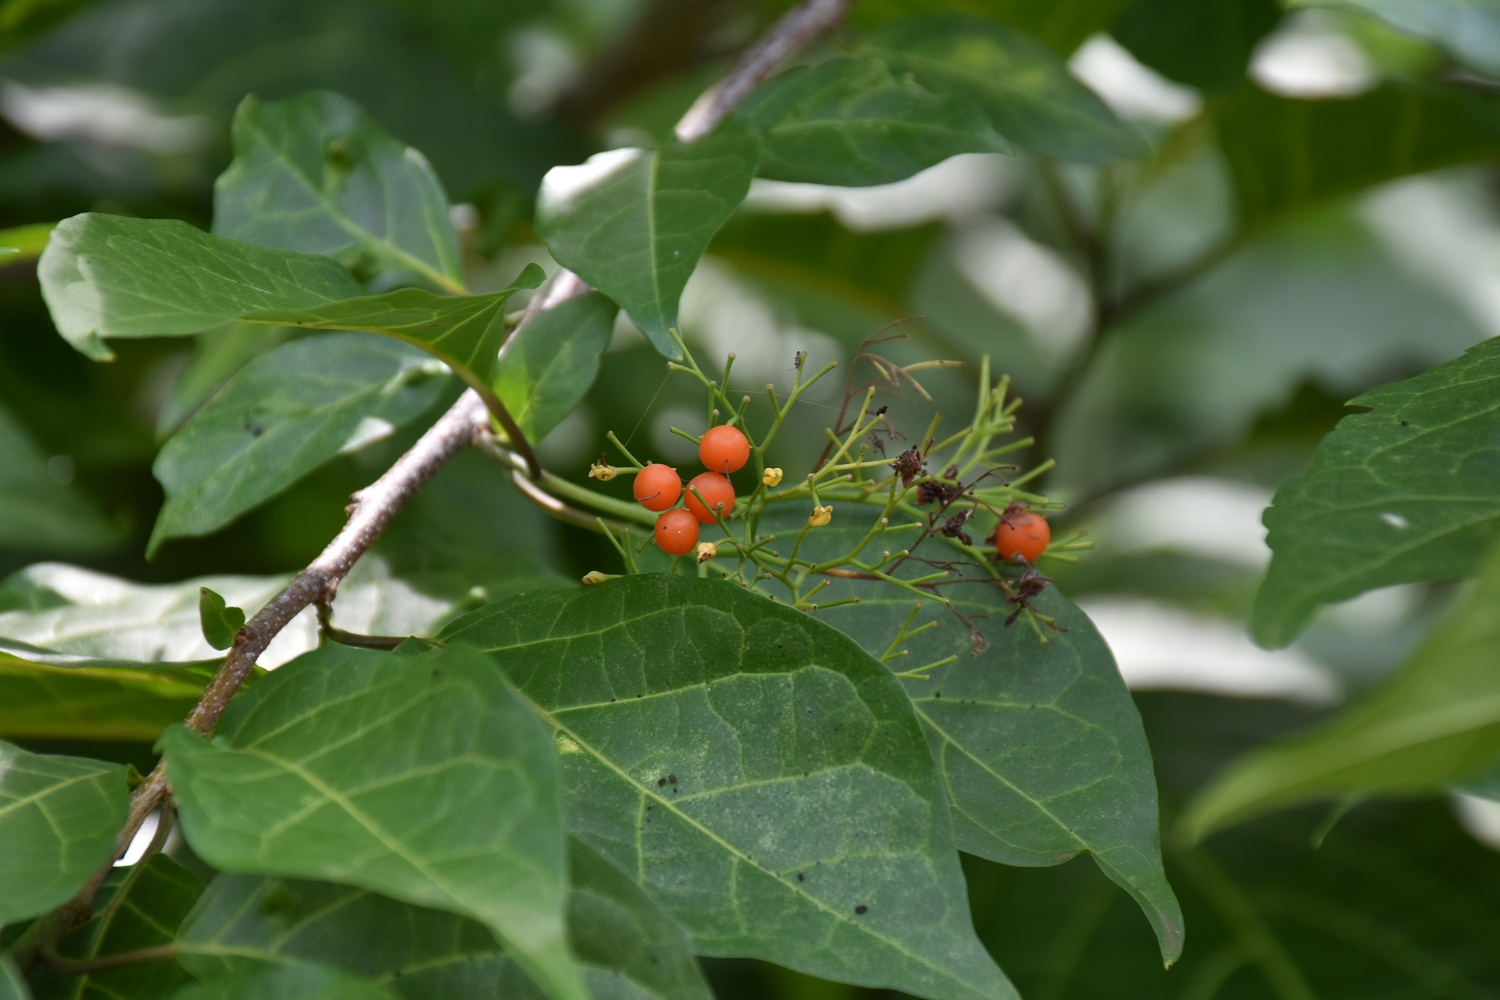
(1480, 817)
(102, 113)
(955, 189)
(1195, 515)
(1158, 646)
(1132, 90)
(1309, 56)
(1028, 282)
(141, 841)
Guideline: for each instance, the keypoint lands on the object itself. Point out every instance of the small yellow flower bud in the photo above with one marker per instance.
(706, 551)
(821, 516)
(603, 472)
(772, 478)
(594, 576)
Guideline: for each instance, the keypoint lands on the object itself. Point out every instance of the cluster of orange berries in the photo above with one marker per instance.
(658, 487)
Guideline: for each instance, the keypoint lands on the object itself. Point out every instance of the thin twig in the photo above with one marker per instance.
(796, 28)
(119, 960)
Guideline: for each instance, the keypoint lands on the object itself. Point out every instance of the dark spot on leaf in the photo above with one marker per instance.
(257, 431)
(938, 694)
(1405, 424)
(640, 696)
(672, 778)
(861, 909)
(435, 671)
(801, 877)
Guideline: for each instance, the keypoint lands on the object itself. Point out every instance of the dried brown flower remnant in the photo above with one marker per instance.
(908, 465)
(953, 526)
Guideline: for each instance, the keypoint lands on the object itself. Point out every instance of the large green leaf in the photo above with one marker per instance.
(1022, 85)
(218, 354)
(1407, 491)
(549, 364)
(58, 820)
(1062, 24)
(627, 946)
(421, 777)
(36, 511)
(464, 332)
(850, 122)
(288, 982)
(1434, 724)
(1398, 902)
(283, 416)
(109, 276)
(1286, 154)
(634, 222)
(53, 696)
(137, 907)
(1204, 43)
(1040, 747)
(762, 778)
(315, 173)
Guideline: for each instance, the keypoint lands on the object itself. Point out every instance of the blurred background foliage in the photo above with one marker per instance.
(1319, 214)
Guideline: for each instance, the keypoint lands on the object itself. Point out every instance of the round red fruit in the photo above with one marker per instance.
(1025, 535)
(657, 487)
(724, 449)
(676, 532)
(716, 490)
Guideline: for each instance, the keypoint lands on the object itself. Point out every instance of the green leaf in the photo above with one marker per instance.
(1039, 746)
(52, 696)
(12, 986)
(218, 355)
(634, 222)
(627, 946)
(1062, 24)
(109, 276)
(464, 332)
(138, 907)
(421, 777)
(1398, 902)
(288, 982)
(548, 366)
(1288, 154)
(1203, 43)
(58, 820)
(315, 173)
(850, 122)
(1408, 491)
(1434, 724)
(220, 623)
(284, 415)
(758, 774)
(36, 511)
(1022, 85)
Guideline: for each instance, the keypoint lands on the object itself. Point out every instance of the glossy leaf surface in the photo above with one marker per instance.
(850, 122)
(1408, 491)
(137, 907)
(548, 366)
(315, 173)
(284, 415)
(421, 777)
(634, 222)
(1202, 44)
(1039, 746)
(464, 332)
(38, 512)
(58, 820)
(1286, 154)
(109, 276)
(762, 778)
(1022, 85)
(1434, 724)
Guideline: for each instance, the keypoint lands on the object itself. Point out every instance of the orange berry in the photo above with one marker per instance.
(1026, 535)
(657, 487)
(716, 491)
(676, 532)
(724, 449)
